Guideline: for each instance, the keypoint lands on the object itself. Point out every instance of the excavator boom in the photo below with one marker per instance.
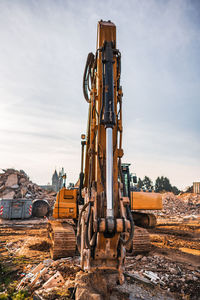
(105, 219)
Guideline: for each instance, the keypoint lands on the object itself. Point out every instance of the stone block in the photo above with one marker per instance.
(37, 269)
(55, 281)
(8, 195)
(11, 180)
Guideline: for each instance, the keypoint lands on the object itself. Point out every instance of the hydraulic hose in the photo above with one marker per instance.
(125, 242)
(86, 75)
(87, 227)
(87, 223)
(121, 177)
(80, 215)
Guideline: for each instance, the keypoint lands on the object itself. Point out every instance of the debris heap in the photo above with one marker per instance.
(15, 184)
(59, 279)
(175, 277)
(180, 206)
(51, 278)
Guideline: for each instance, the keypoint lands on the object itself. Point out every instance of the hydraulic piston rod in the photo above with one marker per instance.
(109, 171)
(109, 121)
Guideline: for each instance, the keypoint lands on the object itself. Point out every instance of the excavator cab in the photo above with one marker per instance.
(126, 179)
(134, 178)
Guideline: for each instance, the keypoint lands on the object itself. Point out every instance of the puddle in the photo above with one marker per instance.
(191, 251)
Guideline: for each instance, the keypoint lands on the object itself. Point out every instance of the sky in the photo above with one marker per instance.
(44, 46)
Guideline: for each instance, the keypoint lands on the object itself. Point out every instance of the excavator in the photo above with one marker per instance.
(98, 217)
(140, 203)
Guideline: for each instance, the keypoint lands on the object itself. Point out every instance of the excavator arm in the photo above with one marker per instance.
(105, 219)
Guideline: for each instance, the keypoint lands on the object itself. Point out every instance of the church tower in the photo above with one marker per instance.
(55, 182)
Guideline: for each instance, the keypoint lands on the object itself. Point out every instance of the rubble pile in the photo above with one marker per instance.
(190, 198)
(55, 278)
(173, 277)
(58, 279)
(180, 206)
(15, 184)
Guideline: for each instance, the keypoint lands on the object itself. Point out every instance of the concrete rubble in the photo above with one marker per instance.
(183, 205)
(15, 184)
(64, 278)
(161, 271)
(56, 277)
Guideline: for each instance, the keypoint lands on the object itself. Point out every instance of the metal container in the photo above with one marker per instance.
(41, 208)
(196, 187)
(15, 208)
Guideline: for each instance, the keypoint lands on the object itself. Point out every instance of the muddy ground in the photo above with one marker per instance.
(173, 262)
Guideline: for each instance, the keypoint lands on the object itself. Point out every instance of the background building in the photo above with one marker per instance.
(196, 187)
(57, 181)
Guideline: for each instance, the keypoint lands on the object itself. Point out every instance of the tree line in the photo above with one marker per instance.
(162, 184)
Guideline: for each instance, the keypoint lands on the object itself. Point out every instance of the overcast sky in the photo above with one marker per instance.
(43, 49)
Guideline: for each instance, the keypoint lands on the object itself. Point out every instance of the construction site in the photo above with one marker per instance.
(168, 268)
(104, 233)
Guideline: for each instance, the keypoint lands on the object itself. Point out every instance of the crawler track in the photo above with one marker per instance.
(63, 239)
(141, 242)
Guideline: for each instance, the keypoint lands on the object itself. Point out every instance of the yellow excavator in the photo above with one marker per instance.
(140, 203)
(97, 218)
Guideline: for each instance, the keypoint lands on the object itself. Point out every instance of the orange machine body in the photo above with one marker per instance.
(66, 204)
(145, 201)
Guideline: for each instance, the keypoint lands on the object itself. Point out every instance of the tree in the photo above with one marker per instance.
(175, 190)
(140, 183)
(147, 183)
(158, 187)
(166, 184)
(163, 184)
(189, 189)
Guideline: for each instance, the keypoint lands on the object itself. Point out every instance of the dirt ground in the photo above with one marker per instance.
(173, 262)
